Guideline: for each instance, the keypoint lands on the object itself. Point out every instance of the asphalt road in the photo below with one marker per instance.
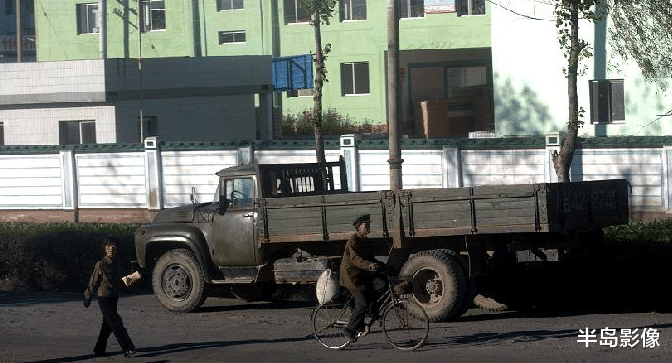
(57, 328)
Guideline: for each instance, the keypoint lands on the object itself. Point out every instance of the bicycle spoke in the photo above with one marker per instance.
(328, 323)
(406, 325)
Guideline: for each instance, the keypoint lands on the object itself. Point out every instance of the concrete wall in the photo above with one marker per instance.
(89, 185)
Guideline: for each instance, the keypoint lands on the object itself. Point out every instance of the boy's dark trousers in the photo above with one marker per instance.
(112, 323)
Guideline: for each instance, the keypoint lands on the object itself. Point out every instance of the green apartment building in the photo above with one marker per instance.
(445, 49)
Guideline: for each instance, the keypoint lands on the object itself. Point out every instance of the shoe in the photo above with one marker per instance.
(350, 335)
(365, 332)
(99, 353)
(130, 353)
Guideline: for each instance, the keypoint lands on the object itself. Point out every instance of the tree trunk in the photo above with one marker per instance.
(562, 161)
(317, 95)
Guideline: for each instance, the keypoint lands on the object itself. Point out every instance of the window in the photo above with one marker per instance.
(239, 192)
(353, 10)
(77, 132)
(354, 78)
(464, 77)
(87, 18)
(607, 101)
(296, 11)
(308, 92)
(412, 8)
(153, 15)
(150, 127)
(470, 7)
(236, 36)
(2, 133)
(229, 5)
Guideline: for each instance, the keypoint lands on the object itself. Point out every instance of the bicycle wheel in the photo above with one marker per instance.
(329, 320)
(406, 325)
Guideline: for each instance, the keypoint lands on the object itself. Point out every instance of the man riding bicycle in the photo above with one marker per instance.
(357, 274)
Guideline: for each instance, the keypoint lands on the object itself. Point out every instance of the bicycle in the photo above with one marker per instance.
(404, 322)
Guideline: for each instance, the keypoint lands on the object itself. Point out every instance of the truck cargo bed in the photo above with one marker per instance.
(490, 209)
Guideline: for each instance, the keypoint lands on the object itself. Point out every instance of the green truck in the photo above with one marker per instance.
(272, 224)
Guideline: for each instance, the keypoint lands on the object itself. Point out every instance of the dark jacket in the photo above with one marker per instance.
(105, 281)
(356, 264)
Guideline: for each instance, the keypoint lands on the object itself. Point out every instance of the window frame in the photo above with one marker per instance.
(604, 99)
(354, 76)
(249, 201)
(149, 127)
(147, 23)
(349, 11)
(232, 6)
(233, 33)
(87, 9)
(407, 6)
(65, 137)
(295, 7)
(470, 5)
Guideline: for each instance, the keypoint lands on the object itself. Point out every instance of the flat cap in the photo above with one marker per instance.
(361, 219)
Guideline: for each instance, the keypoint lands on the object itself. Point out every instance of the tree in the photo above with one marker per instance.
(641, 32)
(568, 13)
(321, 11)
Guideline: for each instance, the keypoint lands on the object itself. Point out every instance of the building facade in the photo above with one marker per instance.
(102, 101)
(444, 48)
(530, 88)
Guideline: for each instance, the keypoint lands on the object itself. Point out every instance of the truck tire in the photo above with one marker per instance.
(262, 291)
(178, 281)
(439, 283)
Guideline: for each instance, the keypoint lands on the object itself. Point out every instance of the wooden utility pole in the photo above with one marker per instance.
(19, 48)
(393, 113)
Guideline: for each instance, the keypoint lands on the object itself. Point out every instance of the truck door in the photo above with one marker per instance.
(234, 225)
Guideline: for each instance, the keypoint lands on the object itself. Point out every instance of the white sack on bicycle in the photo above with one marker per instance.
(327, 287)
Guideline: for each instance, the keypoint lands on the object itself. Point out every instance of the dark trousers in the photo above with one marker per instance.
(356, 322)
(112, 324)
(363, 297)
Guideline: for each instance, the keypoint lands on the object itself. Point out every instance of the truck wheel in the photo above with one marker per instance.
(178, 281)
(262, 291)
(439, 283)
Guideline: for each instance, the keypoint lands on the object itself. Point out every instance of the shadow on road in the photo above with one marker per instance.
(152, 352)
(520, 336)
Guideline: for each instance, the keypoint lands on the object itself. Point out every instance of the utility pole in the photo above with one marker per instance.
(102, 28)
(19, 48)
(393, 93)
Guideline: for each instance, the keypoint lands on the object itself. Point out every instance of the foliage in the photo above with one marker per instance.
(56, 256)
(333, 123)
(641, 32)
(647, 241)
(563, 23)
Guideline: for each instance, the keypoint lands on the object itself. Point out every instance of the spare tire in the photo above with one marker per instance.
(439, 283)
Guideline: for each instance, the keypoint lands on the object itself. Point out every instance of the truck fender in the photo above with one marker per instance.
(160, 244)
